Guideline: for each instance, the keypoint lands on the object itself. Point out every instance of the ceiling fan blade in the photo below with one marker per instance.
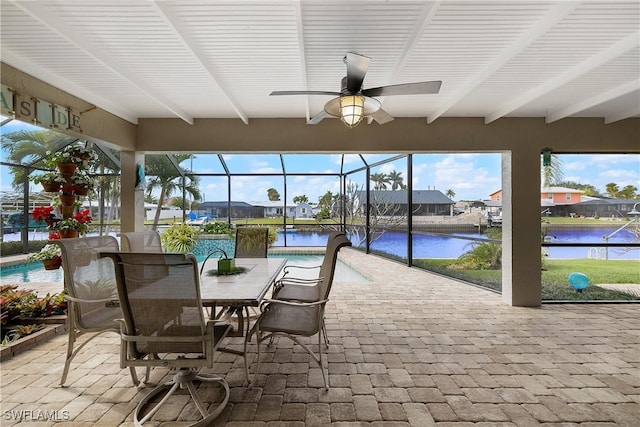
(303, 92)
(419, 88)
(318, 118)
(357, 66)
(381, 116)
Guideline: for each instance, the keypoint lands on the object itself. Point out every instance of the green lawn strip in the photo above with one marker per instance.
(554, 278)
(590, 221)
(598, 270)
(278, 221)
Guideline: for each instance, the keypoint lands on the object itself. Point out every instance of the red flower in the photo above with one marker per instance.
(83, 217)
(54, 235)
(42, 212)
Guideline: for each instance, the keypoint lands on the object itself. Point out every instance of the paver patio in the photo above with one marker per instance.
(407, 348)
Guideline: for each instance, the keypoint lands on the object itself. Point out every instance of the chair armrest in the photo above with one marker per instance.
(292, 303)
(105, 300)
(287, 267)
(296, 281)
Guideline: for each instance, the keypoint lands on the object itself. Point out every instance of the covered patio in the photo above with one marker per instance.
(407, 348)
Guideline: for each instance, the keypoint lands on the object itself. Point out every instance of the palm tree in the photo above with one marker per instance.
(612, 189)
(397, 181)
(301, 199)
(380, 181)
(450, 193)
(165, 177)
(553, 172)
(25, 147)
(628, 192)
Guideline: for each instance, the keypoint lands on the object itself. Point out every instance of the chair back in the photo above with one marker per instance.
(141, 241)
(160, 299)
(337, 241)
(252, 242)
(90, 280)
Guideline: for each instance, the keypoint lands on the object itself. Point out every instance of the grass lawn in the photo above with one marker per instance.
(578, 221)
(554, 277)
(278, 221)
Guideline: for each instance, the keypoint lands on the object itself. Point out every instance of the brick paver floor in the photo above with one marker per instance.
(406, 348)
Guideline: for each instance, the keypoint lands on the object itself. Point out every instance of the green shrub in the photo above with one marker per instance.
(273, 235)
(483, 255)
(15, 247)
(179, 238)
(217, 228)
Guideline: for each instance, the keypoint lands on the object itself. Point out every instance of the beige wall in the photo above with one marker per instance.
(519, 139)
(401, 135)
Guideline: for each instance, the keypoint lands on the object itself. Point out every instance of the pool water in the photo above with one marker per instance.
(30, 272)
(35, 272)
(343, 273)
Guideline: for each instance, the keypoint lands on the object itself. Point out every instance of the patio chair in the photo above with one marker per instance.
(252, 242)
(299, 270)
(301, 289)
(92, 294)
(300, 316)
(141, 241)
(164, 325)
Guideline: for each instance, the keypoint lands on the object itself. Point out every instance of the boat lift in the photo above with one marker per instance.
(635, 214)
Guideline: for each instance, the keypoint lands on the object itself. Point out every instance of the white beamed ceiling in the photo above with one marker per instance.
(194, 59)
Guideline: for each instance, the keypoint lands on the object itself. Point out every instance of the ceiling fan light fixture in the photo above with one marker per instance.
(351, 109)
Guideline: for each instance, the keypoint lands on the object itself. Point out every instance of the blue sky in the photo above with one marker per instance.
(470, 175)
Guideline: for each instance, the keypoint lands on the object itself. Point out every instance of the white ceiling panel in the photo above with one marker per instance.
(196, 58)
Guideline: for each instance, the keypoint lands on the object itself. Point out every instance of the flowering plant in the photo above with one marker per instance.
(48, 177)
(49, 251)
(73, 153)
(54, 235)
(82, 180)
(71, 224)
(40, 213)
(83, 217)
(80, 222)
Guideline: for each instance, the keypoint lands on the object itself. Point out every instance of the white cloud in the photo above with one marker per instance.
(574, 166)
(621, 177)
(465, 178)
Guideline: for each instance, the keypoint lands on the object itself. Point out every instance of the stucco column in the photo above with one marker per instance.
(132, 198)
(521, 262)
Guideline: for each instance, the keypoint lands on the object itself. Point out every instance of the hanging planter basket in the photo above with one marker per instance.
(67, 168)
(52, 264)
(80, 191)
(68, 234)
(51, 187)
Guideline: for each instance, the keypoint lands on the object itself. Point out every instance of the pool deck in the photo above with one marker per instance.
(7, 261)
(409, 349)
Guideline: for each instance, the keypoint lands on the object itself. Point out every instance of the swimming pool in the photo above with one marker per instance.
(35, 272)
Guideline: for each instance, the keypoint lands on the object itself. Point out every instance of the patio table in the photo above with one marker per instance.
(243, 290)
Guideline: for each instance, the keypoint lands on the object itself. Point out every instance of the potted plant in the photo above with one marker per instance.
(50, 255)
(226, 265)
(76, 226)
(75, 154)
(82, 183)
(51, 181)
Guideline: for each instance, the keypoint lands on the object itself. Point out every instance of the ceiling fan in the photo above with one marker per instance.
(353, 103)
